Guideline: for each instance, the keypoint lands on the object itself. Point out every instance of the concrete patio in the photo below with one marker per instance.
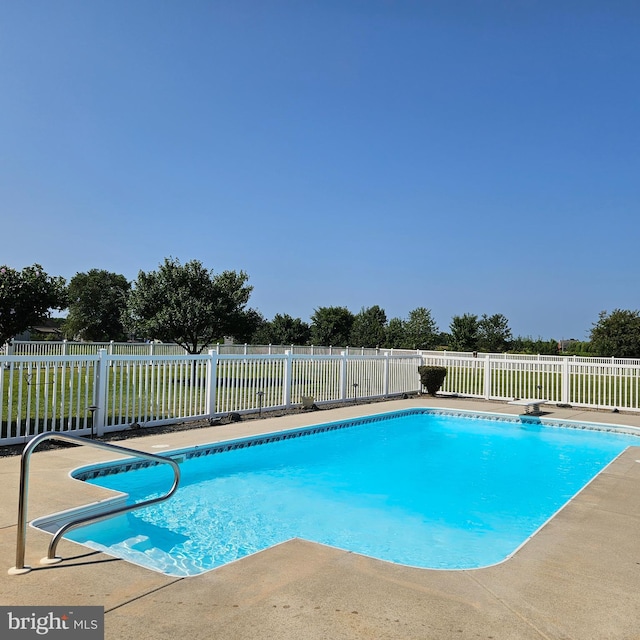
(578, 578)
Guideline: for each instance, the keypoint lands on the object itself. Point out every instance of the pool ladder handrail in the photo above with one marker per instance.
(51, 558)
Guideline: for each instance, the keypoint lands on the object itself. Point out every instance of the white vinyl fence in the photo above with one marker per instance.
(106, 391)
(95, 394)
(70, 348)
(599, 383)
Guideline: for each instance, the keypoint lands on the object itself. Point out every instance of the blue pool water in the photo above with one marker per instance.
(418, 488)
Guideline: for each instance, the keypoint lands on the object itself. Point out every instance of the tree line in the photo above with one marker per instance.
(194, 307)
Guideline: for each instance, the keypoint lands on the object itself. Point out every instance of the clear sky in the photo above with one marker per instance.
(465, 156)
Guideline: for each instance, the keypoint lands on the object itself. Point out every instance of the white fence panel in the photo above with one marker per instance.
(69, 348)
(38, 395)
(317, 377)
(403, 375)
(19, 348)
(248, 383)
(611, 386)
(500, 378)
(526, 379)
(622, 361)
(465, 374)
(152, 390)
(365, 376)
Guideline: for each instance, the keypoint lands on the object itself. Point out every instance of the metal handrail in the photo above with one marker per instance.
(24, 488)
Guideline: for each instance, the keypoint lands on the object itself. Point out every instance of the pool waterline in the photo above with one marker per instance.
(115, 468)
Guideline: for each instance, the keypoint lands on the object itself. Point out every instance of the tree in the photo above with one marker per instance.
(285, 330)
(395, 334)
(443, 340)
(331, 326)
(464, 333)
(494, 333)
(26, 298)
(421, 331)
(97, 300)
(187, 304)
(617, 334)
(248, 325)
(534, 347)
(368, 329)
(576, 348)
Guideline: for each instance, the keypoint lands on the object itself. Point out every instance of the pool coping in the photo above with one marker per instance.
(580, 577)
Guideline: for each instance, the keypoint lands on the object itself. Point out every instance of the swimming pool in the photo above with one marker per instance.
(422, 487)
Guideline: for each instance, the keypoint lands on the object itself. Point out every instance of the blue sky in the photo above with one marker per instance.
(465, 156)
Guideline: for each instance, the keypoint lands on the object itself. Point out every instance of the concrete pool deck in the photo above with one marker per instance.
(578, 578)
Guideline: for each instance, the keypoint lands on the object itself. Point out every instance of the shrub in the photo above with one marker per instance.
(432, 378)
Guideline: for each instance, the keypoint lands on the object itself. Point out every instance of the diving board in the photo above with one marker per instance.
(531, 405)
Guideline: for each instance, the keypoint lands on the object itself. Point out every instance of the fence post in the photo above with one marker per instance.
(564, 393)
(487, 377)
(288, 366)
(343, 375)
(212, 383)
(385, 380)
(64, 348)
(100, 393)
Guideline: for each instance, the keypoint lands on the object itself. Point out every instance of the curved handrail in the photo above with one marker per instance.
(24, 488)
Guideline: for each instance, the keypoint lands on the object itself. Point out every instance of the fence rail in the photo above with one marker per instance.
(107, 391)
